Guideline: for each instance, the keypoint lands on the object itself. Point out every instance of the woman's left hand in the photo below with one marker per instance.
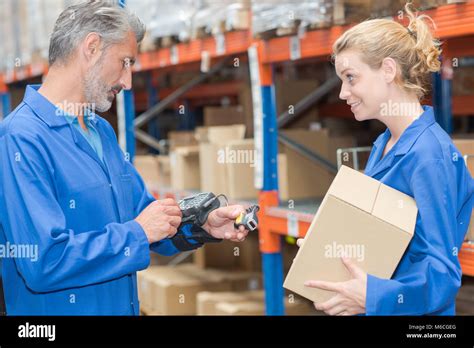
(350, 295)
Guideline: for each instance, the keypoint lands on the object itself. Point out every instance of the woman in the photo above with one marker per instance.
(384, 68)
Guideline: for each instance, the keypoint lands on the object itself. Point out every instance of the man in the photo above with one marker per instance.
(67, 189)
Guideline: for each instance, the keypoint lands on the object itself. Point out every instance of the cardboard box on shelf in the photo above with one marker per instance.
(223, 116)
(377, 227)
(147, 167)
(207, 301)
(181, 138)
(217, 255)
(164, 171)
(304, 178)
(228, 255)
(211, 140)
(245, 100)
(184, 164)
(466, 147)
(239, 159)
(246, 303)
(165, 290)
(289, 92)
(283, 176)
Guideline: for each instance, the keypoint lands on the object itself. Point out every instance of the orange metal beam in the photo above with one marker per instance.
(236, 42)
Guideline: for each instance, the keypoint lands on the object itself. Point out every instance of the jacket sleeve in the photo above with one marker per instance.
(33, 216)
(433, 277)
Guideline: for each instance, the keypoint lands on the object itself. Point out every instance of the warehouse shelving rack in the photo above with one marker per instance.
(455, 26)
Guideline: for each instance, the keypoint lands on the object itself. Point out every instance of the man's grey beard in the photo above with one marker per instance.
(95, 91)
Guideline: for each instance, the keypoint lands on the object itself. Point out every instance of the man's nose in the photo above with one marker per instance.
(126, 80)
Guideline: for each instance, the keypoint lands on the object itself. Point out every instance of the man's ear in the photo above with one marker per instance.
(389, 68)
(91, 47)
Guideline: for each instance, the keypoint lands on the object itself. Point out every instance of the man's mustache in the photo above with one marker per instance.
(116, 89)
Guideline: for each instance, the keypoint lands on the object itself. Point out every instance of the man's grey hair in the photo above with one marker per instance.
(105, 18)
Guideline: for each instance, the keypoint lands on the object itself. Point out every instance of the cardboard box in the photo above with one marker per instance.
(164, 171)
(289, 92)
(147, 167)
(184, 164)
(165, 290)
(361, 218)
(250, 258)
(212, 141)
(246, 303)
(246, 101)
(228, 255)
(172, 290)
(207, 301)
(217, 255)
(239, 158)
(304, 178)
(181, 138)
(223, 116)
(466, 147)
(283, 177)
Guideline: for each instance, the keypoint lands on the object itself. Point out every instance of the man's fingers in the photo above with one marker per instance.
(175, 221)
(167, 201)
(172, 210)
(231, 212)
(319, 284)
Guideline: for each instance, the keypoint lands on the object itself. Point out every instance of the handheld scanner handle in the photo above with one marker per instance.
(248, 219)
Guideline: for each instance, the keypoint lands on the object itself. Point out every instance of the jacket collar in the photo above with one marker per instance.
(47, 111)
(403, 145)
(411, 134)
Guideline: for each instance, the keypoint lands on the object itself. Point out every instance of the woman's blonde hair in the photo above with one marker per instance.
(413, 48)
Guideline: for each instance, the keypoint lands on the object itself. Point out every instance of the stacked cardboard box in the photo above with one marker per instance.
(466, 147)
(223, 116)
(246, 303)
(154, 170)
(299, 176)
(172, 290)
(184, 164)
(243, 256)
(181, 138)
(288, 92)
(227, 161)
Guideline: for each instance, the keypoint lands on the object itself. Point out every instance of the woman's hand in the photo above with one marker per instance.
(350, 295)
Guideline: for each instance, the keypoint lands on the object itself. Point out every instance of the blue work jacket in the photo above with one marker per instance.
(57, 196)
(425, 165)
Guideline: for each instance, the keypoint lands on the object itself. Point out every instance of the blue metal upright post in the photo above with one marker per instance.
(127, 116)
(6, 103)
(266, 145)
(442, 96)
(129, 104)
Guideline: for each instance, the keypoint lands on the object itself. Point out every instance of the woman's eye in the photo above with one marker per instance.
(350, 78)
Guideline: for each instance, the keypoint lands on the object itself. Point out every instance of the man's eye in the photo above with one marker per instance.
(350, 78)
(127, 63)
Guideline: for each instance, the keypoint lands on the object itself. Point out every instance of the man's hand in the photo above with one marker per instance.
(220, 223)
(350, 295)
(160, 219)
